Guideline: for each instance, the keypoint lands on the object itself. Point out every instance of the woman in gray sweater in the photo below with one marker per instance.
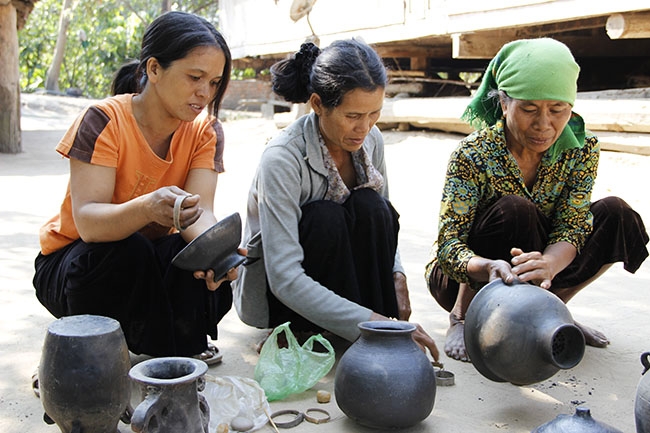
(320, 231)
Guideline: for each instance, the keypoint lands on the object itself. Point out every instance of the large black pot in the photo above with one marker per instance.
(384, 380)
(83, 374)
(520, 333)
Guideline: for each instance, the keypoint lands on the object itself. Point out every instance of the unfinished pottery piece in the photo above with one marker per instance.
(580, 422)
(520, 333)
(215, 248)
(642, 400)
(172, 401)
(83, 374)
(384, 380)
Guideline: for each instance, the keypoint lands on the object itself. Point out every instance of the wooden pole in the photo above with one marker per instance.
(628, 26)
(10, 136)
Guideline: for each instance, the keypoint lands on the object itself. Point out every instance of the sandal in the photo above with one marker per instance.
(210, 356)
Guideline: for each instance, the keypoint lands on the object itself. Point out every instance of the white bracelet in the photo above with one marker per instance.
(177, 212)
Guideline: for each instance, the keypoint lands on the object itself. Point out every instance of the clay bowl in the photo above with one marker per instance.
(215, 248)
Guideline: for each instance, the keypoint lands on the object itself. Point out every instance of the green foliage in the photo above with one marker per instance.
(243, 74)
(112, 37)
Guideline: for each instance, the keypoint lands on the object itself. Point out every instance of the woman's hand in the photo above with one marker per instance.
(540, 268)
(482, 269)
(420, 337)
(402, 294)
(425, 342)
(531, 267)
(209, 276)
(160, 207)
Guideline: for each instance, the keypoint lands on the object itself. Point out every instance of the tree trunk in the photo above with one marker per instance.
(52, 79)
(10, 138)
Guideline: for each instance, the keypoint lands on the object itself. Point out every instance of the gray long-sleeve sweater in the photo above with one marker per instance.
(291, 174)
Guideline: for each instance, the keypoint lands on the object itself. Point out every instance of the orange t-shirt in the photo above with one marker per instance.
(107, 134)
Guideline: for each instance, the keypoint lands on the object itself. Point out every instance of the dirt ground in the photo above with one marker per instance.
(605, 381)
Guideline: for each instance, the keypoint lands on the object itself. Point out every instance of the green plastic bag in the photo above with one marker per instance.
(294, 369)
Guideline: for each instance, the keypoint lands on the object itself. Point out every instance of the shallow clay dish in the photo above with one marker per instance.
(215, 248)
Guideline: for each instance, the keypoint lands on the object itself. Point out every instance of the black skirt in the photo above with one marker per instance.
(163, 310)
(350, 249)
(618, 235)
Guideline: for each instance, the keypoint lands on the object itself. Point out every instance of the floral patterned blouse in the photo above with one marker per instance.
(481, 170)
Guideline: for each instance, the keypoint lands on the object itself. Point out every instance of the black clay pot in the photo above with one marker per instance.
(384, 380)
(642, 401)
(215, 248)
(580, 422)
(520, 333)
(172, 402)
(83, 374)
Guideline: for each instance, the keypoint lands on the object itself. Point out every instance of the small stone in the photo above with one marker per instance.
(222, 428)
(323, 396)
(241, 424)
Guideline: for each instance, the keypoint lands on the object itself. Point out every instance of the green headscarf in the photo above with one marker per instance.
(530, 69)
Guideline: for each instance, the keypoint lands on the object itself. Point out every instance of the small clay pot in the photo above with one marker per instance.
(580, 422)
(172, 402)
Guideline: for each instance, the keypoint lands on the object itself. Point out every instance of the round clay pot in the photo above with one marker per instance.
(172, 402)
(83, 374)
(520, 333)
(580, 422)
(642, 401)
(384, 380)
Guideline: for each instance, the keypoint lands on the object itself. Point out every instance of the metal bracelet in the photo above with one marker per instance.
(299, 417)
(178, 203)
(315, 420)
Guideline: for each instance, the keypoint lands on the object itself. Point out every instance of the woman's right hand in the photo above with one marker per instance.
(482, 269)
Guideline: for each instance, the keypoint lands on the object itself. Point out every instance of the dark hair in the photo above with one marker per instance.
(171, 37)
(343, 66)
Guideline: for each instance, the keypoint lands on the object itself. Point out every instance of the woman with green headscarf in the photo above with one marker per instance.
(516, 203)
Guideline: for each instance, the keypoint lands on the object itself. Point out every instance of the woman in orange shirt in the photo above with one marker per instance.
(108, 251)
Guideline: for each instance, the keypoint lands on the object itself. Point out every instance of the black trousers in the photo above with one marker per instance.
(618, 235)
(350, 249)
(163, 310)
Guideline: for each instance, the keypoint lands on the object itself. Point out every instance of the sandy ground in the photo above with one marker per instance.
(605, 381)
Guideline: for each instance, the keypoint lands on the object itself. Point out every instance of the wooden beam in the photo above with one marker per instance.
(629, 26)
(397, 51)
(482, 45)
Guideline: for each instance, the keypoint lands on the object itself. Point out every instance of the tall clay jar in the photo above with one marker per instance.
(384, 380)
(83, 374)
(642, 401)
(172, 402)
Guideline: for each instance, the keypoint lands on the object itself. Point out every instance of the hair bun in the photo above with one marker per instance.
(305, 59)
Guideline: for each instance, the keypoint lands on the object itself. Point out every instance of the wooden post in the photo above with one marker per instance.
(628, 26)
(10, 137)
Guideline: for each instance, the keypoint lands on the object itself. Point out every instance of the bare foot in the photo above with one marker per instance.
(592, 337)
(455, 342)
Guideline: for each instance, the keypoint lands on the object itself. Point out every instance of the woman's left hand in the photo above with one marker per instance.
(531, 266)
(402, 294)
(209, 276)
